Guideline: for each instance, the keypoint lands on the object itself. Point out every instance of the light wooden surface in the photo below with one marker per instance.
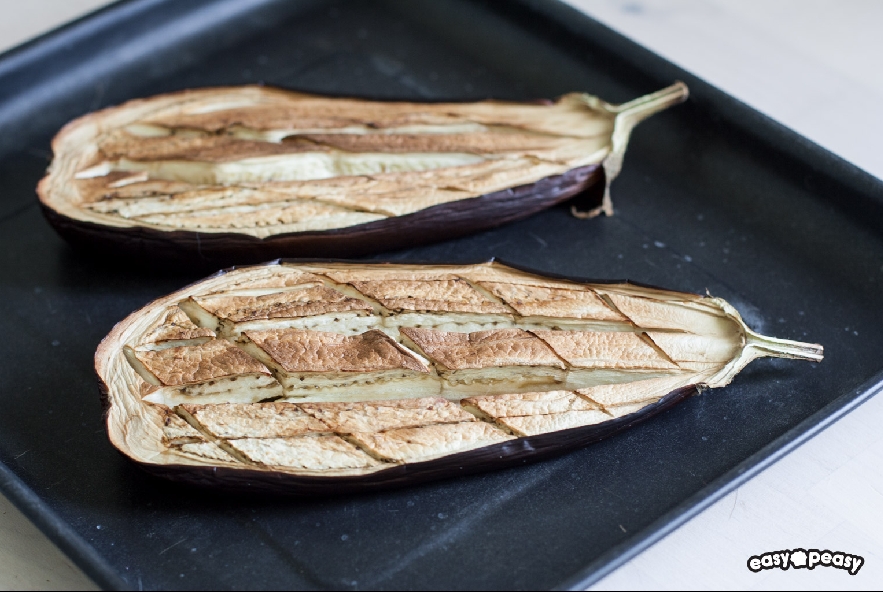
(815, 66)
(28, 561)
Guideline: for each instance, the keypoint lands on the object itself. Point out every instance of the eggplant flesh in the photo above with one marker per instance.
(249, 173)
(302, 378)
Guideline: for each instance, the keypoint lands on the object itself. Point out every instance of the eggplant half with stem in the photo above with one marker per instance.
(247, 174)
(304, 378)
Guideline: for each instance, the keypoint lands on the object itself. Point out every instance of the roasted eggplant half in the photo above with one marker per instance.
(302, 378)
(247, 174)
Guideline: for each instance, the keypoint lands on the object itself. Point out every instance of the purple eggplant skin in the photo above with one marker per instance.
(195, 250)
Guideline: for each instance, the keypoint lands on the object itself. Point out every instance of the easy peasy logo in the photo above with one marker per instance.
(809, 559)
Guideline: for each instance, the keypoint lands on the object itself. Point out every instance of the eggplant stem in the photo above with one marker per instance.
(785, 348)
(636, 111)
(628, 115)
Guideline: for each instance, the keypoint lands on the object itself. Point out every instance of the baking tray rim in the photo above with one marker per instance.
(755, 464)
(782, 138)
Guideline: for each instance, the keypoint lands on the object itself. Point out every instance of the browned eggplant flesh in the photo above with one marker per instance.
(326, 376)
(248, 173)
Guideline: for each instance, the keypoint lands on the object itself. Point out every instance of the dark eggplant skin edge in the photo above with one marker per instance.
(188, 249)
(516, 452)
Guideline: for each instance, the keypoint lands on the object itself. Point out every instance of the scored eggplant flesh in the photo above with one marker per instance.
(347, 371)
(261, 163)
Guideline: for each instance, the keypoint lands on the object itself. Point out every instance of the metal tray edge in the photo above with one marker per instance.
(59, 532)
(772, 132)
(720, 487)
(735, 112)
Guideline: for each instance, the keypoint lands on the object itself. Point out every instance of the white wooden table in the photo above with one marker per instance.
(814, 65)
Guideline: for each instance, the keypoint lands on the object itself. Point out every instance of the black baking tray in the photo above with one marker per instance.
(713, 196)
